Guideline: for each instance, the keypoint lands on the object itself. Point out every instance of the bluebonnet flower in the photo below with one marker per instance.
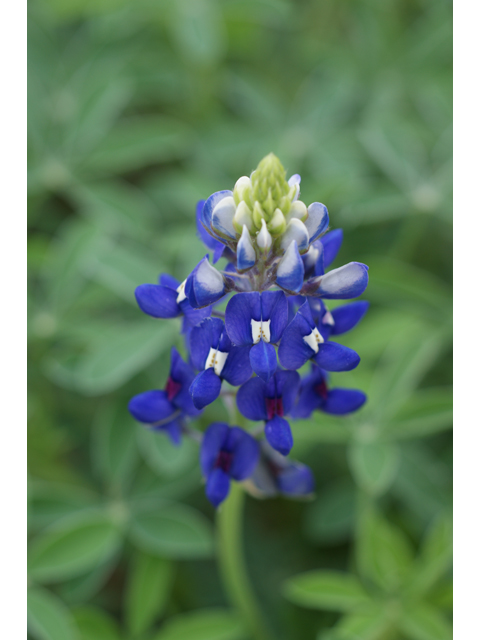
(226, 453)
(275, 474)
(315, 394)
(257, 320)
(271, 401)
(212, 353)
(275, 285)
(164, 410)
(168, 300)
(303, 341)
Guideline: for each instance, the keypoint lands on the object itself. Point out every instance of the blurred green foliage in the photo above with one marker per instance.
(137, 110)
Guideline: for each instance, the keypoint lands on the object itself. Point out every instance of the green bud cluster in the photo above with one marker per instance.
(265, 196)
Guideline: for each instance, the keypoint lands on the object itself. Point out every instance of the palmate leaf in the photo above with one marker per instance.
(330, 590)
(371, 622)
(74, 545)
(203, 624)
(163, 457)
(330, 518)
(148, 587)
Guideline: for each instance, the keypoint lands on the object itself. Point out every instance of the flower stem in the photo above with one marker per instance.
(232, 563)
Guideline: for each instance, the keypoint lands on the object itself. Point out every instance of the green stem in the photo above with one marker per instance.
(232, 563)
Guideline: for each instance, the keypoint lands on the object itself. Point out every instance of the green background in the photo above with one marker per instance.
(137, 110)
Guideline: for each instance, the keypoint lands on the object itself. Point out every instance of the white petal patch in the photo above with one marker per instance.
(181, 292)
(209, 278)
(260, 330)
(297, 231)
(222, 217)
(314, 339)
(328, 319)
(216, 359)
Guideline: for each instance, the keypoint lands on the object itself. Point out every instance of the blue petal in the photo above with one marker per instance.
(219, 251)
(157, 301)
(194, 316)
(287, 385)
(296, 480)
(237, 369)
(246, 453)
(332, 241)
(290, 270)
(341, 401)
(204, 337)
(274, 307)
(345, 282)
(317, 221)
(348, 316)
(293, 351)
(205, 285)
(213, 440)
(241, 309)
(151, 406)
(263, 359)
(279, 435)
(210, 204)
(205, 388)
(335, 357)
(166, 280)
(174, 430)
(308, 401)
(217, 487)
(183, 374)
(313, 260)
(251, 399)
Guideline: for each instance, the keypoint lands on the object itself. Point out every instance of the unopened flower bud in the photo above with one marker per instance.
(297, 231)
(264, 239)
(258, 215)
(242, 185)
(298, 209)
(243, 217)
(277, 224)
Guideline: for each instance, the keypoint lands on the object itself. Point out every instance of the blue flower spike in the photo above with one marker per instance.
(249, 325)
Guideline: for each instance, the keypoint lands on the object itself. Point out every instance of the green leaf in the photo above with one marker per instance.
(95, 624)
(122, 353)
(427, 411)
(114, 448)
(49, 501)
(423, 622)
(147, 591)
(122, 268)
(435, 557)
(173, 531)
(384, 554)
(329, 590)
(163, 456)
(73, 546)
(204, 624)
(374, 465)
(137, 142)
(48, 618)
(329, 519)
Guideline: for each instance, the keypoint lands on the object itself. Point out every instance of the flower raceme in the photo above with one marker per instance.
(274, 287)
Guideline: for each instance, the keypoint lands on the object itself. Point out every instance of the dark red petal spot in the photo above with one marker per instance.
(224, 461)
(322, 390)
(274, 407)
(172, 388)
